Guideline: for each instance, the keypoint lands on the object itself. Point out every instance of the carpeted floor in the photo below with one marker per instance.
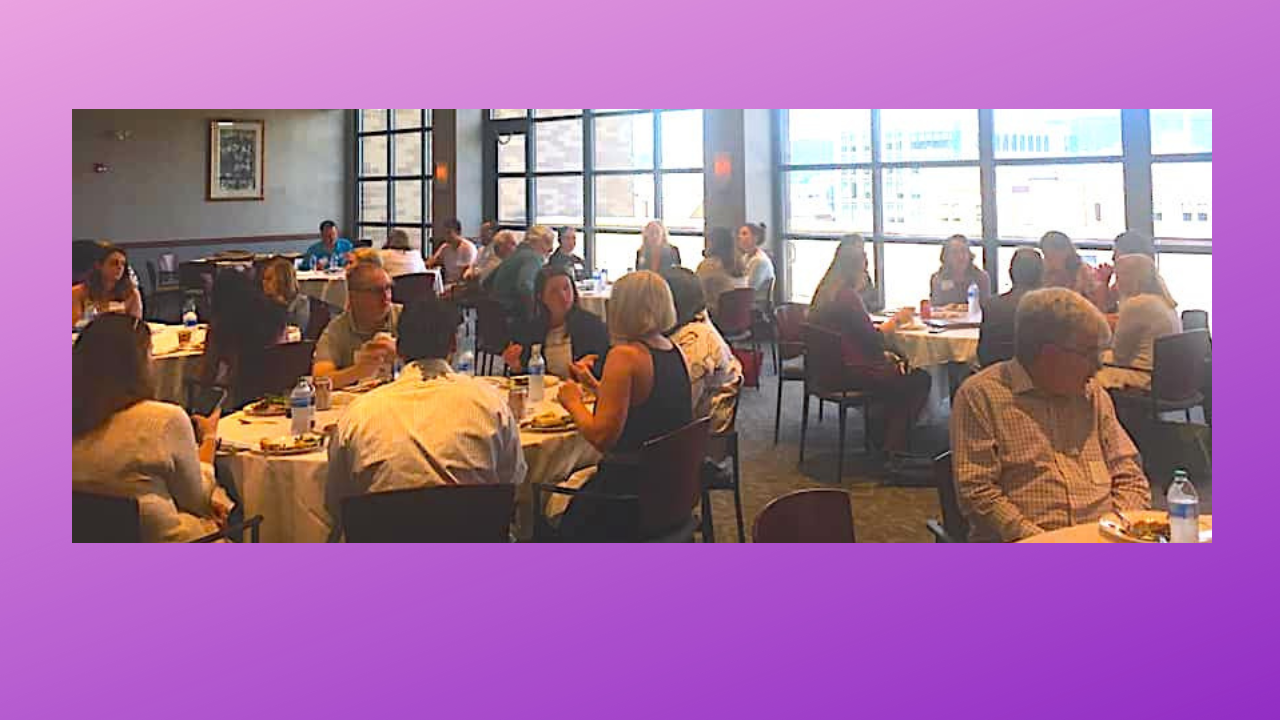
(885, 508)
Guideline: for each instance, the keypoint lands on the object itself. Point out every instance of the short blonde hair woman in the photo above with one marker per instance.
(656, 252)
(279, 282)
(1147, 313)
(644, 394)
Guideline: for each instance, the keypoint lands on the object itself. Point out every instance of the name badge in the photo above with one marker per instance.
(948, 285)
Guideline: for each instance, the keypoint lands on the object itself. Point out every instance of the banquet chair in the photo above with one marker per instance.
(788, 344)
(764, 326)
(412, 288)
(492, 334)
(821, 515)
(672, 485)
(733, 315)
(953, 528)
(1195, 320)
(318, 319)
(274, 371)
(1179, 376)
(439, 514)
(824, 379)
(722, 471)
(99, 518)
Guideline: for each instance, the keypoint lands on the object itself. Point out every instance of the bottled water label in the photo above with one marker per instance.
(1183, 511)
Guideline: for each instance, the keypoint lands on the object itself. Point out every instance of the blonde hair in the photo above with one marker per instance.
(397, 239)
(286, 278)
(1148, 279)
(1053, 315)
(543, 234)
(658, 230)
(365, 256)
(641, 305)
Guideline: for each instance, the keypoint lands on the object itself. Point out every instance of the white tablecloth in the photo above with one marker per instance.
(289, 491)
(934, 352)
(596, 302)
(332, 287)
(172, 363)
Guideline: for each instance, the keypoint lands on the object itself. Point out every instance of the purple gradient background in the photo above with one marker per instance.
(614, 632)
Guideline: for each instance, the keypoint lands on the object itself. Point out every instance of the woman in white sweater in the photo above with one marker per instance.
(125, 443)
(1147, 312)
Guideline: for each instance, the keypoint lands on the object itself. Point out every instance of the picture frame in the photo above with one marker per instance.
(237, 160)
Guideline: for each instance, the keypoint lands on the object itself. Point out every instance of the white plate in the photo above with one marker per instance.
(1110, 527)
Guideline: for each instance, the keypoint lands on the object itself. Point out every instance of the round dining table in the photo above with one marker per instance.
(1089, 533)
(935, 351)
(596, 302)
(172, 361)
(289, 491)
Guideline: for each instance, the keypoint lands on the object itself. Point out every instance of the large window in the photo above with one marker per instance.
(394, 180)
(908, 179)
(606, 173)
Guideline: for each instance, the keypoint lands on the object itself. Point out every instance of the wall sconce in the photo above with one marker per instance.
(123, 135)
(101, 168)
(722, 166)
(441, 173)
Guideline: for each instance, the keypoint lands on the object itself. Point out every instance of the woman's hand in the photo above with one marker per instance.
(581, 370)
(511, 356)
(569, 395)
(208, 426)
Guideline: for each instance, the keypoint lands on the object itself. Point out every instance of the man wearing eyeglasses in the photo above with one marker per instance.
(1036, 444)
(360, 342)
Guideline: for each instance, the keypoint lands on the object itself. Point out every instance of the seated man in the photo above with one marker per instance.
(455, 255)
(429, 427)
(1036, 444)
(512, 283)
(331, 250)
(350, 349)
(995, 339)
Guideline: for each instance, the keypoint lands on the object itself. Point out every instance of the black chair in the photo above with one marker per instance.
(721, 471)
(1195, 320)
(953, 528)
(440, 514)
(824, 379)
(492, 334)
(1179, 376)
(788, 347)
(763, 326)
(412, 288)
(666, 497)
(806, 516)
(273, 372)
(318, 319)
(99, 518)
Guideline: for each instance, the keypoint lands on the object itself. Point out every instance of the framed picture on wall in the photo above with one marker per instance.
(236, 159)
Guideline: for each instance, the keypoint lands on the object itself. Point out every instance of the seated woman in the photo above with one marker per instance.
(838, 307)
(108, 287)
(644, 395)
(280, 286)
(567, 333)
(722, 269)
(715, 375)
(398, 258)
(125, 443)
(1064, 268)
(656, 253)
(1147, 312)
(243, 323)
(563, 257)
(950, 285)
(758, 265)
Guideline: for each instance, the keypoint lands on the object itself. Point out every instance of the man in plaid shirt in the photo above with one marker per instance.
(1035, 442)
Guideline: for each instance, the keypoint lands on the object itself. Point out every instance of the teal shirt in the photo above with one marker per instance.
(318, 251)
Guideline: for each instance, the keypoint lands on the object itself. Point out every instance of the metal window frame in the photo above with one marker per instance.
(425, 175)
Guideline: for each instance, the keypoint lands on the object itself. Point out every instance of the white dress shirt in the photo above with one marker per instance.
(402, 262)
(398, 436)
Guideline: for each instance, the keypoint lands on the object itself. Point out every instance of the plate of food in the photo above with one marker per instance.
(551, 422)
(269, 406)
(1145, 526)
(292, 444)
(367, 384)
(506, 383)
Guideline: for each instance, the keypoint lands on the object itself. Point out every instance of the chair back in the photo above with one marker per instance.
(152, 275)
(945, 482)
(672, 485)
(806, 516)
(104, 518)
(790, 319)
(1180, 364)
(83, 254)
(733, 316)
(412, 288)
(1195, 320)
(492, 334)
(275, 371)
(317, 320)
(444, 513)
(823, 359)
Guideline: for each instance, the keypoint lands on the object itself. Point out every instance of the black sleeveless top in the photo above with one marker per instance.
(669, 407)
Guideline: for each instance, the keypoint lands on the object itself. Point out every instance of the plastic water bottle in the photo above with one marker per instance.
(189, 317)
(1184, 509)
(975, 303)
(465, 361)
(604, 279)
(302, 406)
(537, 373)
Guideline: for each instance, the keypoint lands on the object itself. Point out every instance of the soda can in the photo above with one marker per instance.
(926, 310)
(517, 400)
(324, 393)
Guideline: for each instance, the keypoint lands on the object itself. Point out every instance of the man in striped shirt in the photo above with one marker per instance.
(1035, 441)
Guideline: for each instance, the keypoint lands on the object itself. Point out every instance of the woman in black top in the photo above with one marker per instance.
(563, 257)
(567, 333)
(657, 254)
(643, 395)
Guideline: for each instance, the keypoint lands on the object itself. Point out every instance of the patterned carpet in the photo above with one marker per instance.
(885, 508)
